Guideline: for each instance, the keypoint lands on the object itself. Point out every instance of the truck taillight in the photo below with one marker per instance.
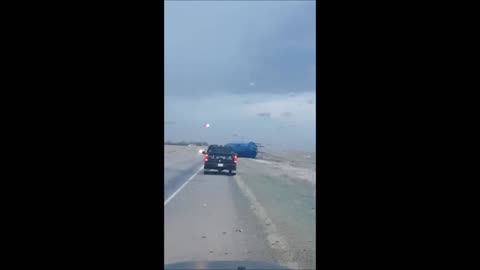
(235, 159)
(206, 157)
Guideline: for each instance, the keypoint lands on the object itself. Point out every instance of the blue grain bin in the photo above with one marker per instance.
(247, 150)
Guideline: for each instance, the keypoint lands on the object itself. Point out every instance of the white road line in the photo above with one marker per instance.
(180, 188)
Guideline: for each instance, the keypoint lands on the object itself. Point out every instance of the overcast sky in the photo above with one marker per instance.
(245, 67)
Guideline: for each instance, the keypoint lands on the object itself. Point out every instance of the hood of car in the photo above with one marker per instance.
(235, 265)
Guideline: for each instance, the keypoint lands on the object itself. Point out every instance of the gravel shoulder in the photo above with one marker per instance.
(286, 196)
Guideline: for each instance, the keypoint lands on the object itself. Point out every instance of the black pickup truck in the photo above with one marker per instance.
(219, 157)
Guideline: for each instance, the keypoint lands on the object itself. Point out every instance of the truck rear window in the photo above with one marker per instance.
(220, 150)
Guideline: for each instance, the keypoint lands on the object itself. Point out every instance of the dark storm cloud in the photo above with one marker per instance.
(264, 114)
(239, 47)
(233, 64)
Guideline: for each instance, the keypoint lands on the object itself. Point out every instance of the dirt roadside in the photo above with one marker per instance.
(282, 196)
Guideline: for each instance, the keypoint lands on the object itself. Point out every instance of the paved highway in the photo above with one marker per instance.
(220, 217)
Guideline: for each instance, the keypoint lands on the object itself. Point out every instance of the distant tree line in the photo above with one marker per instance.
(186, 143)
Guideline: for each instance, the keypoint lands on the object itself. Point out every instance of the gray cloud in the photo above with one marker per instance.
(310, 101)
(210, 47)
(264, 114)
(286, 114)
(233, 64)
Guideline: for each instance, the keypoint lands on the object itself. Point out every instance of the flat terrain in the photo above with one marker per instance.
(266, 212)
